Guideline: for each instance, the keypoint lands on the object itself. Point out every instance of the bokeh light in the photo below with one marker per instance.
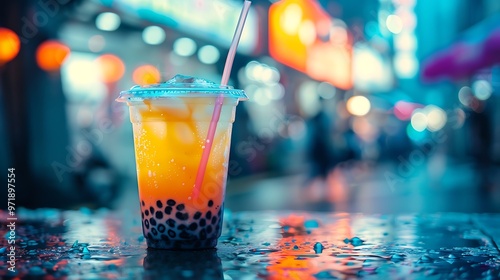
(153, 35)
(307, 32)
(146, 74)
(51, 54)
(107, 21)
(406, 64)
(419, 120)
(394, 24)
(482, 89)
(9, 45)
(184, 46)
(465, 95)
(358, 105)
(326, 90)
(96, 43)
(308, 99)
(111, 68)
(403, 110)
(291, 18)
(436, 118)
(208, 54)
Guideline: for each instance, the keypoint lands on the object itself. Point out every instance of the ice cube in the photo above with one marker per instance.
(189, 81)
(184, 133)
(157, 128)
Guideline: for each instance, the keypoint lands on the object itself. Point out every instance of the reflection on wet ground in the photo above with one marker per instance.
(257, 245)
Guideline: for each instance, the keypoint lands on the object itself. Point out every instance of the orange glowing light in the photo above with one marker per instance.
(290, 22)
(9, 45)
(331, 63)
(297, 33)
(146, 74)
(111, 66)
(51, 54)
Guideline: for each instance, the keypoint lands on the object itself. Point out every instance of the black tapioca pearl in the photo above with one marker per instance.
(181, 227)
(193, 226)
(184, 235)
(161, 228)
(146, 223)
(209, 229)
(159, 215)
(168, 210)
(171, 223)
(150, 236)
(159, 204)
(208, 215)
(203, 234)
(217, 228)
(146, 212)
(182, 216)
(142, 202)
(142, 215)
(210, 203)
(180, 207)
(203, 222)
(154, 231)
(214, 220)
(197, 215)
(152, 210)
(152, 221)
(171, 233)
(170, 202)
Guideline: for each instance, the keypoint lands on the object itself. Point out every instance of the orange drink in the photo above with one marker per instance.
(170, 125)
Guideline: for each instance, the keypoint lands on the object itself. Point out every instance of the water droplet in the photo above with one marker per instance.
(75, 244)
(356, 241)
(183, 168)
(172, 160)
(311, 224)
(318, 248)
(189, 198)
(150, 174)
(425, 259)
(208, 141)
(86, 251)
(347, 240)
(451, 256)
(398, 257)
(203, 147)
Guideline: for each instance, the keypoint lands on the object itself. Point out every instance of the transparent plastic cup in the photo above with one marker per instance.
(170, 125)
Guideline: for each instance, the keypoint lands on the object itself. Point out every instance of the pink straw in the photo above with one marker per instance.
(219, 101)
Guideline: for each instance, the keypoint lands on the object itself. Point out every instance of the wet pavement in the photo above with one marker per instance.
(104, 244)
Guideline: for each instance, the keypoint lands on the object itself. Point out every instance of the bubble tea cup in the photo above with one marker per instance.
(170, 124)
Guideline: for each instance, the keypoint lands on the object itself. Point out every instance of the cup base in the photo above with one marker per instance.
(182, 244)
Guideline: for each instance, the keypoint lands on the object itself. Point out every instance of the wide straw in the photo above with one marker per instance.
(219, 101)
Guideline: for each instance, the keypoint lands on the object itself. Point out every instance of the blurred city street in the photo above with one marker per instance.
(329, 121)
(366, 190)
